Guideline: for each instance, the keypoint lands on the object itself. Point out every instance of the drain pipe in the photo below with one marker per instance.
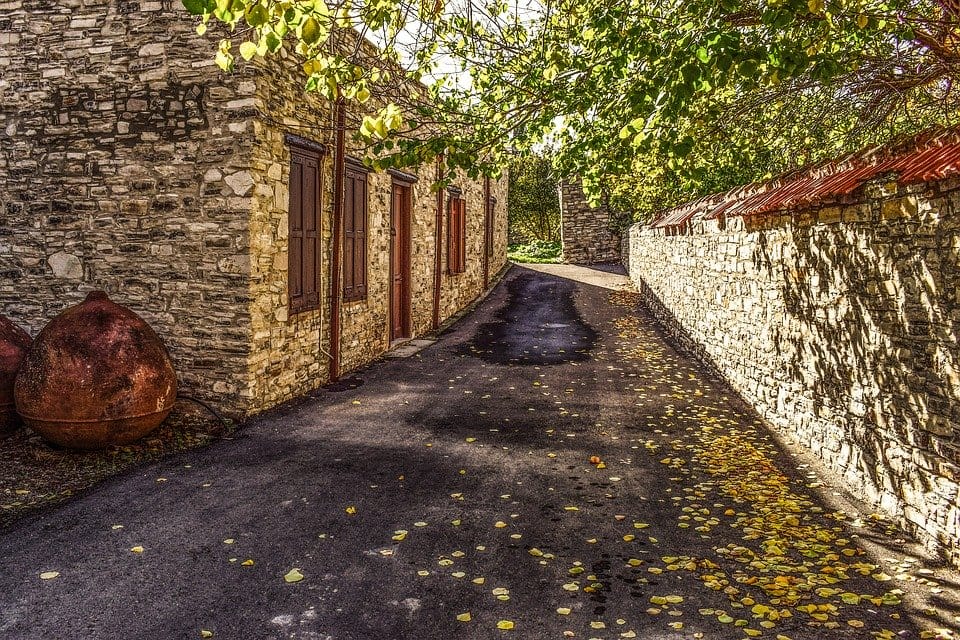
(438, 262)
(336, 258)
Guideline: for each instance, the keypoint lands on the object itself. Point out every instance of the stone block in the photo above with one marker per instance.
(905, 207)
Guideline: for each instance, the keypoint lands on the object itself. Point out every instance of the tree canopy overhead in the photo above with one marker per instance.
(653, 100)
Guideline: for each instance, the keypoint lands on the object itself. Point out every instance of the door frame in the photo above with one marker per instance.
(400, 231)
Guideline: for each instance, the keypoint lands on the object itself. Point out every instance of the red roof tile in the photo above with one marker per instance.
(930, 156)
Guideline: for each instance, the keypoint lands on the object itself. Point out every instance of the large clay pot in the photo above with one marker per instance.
(97, 375)
(14, 344)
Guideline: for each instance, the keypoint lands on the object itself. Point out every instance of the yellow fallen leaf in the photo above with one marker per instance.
(351, 510)
(857, 624)
(419, 524)
(571, 586)
(247, 563)
(499, 524)
(564, 611)
(458, 574)
(676, 625)
(206, 634)
(674, 599)
(137, 549)
(49, 575)
(571, 508)
(293, 575)
(471, 439)
(464, 617)
(399, 535)
(505, 625)
(229, 541)
(596, 624)
(423, 573)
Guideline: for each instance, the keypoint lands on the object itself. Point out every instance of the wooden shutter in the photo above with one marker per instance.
(355, 235)
(463, 235)
(491, 220)
(304, 230)
(456, 235)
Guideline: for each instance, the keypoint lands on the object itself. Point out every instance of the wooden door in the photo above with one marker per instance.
(400, 262)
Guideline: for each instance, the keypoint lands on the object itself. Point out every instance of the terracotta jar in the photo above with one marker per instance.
(97, 375)
(14, 344)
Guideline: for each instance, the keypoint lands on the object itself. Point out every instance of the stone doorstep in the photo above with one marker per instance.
(406, 348)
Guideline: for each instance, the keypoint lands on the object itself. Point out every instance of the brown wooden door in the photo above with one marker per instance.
(400, 262)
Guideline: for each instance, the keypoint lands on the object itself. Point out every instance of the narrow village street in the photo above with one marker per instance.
(551, 467)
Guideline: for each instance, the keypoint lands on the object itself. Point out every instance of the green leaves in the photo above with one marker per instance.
(199, 7)
(652, 102)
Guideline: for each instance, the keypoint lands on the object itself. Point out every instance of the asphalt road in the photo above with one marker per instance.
(452, 495)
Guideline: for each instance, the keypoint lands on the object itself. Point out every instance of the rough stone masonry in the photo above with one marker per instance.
(840, 325)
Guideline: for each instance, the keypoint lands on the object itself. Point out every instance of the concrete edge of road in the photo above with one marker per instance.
(476, 302)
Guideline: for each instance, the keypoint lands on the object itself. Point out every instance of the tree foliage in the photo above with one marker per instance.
(533, 208)
(651, 100)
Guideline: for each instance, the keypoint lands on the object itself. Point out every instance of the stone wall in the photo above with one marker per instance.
(290, 353)
(587, 233)
(124, 166)
(130, 162)
(840, 325)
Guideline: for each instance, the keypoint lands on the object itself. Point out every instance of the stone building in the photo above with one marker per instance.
(589, 234)
(830, 300)
(212, 205)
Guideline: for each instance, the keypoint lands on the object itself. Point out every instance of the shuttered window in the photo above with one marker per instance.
(354, 233)
(490, 211)
(304, 225)
(456, 233)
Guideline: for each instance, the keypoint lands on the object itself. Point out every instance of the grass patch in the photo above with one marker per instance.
(537, 251)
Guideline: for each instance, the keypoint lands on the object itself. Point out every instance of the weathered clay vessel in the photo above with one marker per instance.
(97, 375)
(14, 344)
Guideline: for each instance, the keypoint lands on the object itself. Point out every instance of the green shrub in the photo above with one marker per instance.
(540, 251)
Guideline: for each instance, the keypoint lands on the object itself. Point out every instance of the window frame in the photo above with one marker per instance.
(305, 155)
(354, 172)
(456, 232)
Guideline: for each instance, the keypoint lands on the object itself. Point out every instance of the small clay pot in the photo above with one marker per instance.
(97, 375)
(14, 344)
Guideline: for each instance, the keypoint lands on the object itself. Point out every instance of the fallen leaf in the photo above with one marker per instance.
(293, 575)
(49, 575)
(137, 549)
(464, 617)
(505, 625)
(564, 611)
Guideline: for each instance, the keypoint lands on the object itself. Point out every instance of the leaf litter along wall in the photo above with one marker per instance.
(838, 323)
